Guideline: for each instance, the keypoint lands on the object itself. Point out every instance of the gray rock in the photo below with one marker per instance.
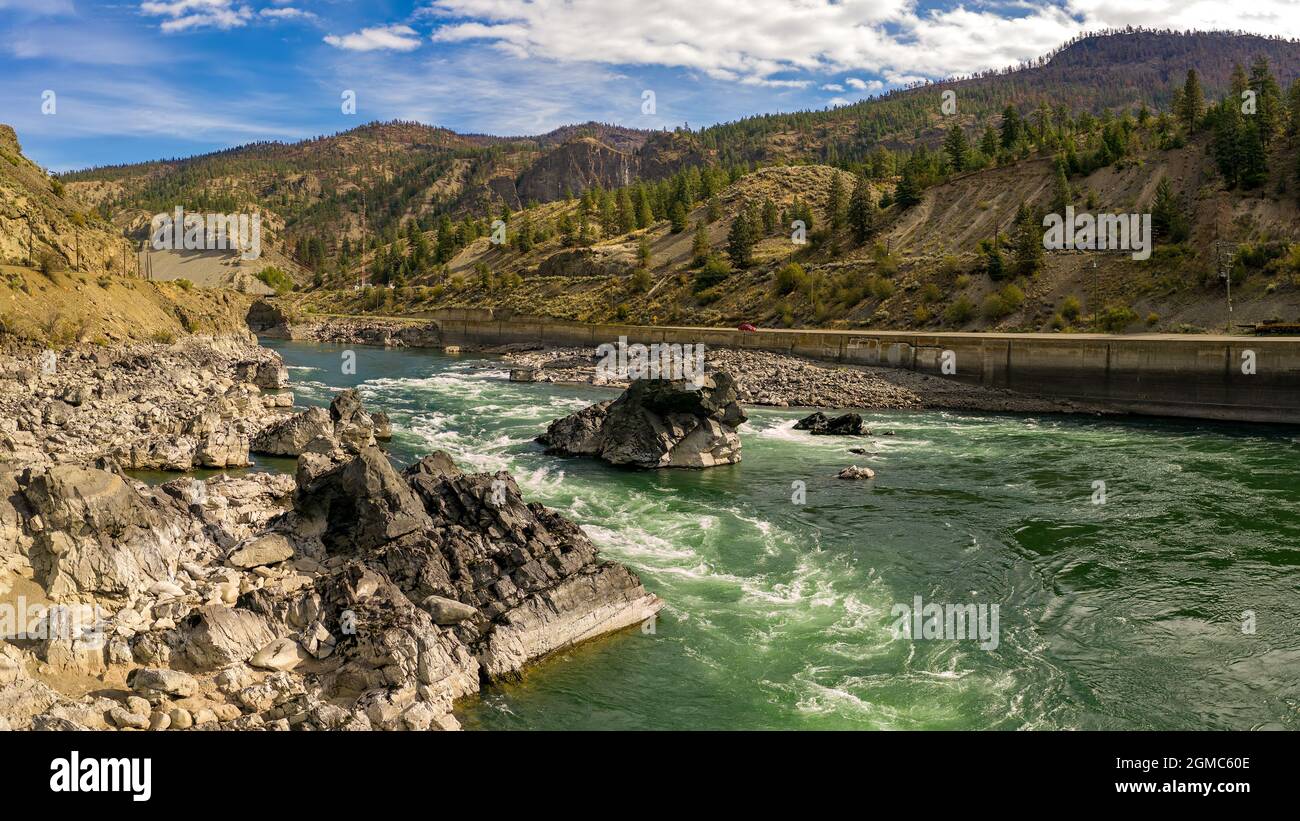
(216, 636)
(855, 472)
(155, 683)
(448, 611)
(290, 436)
(656, 423)
(264, 550)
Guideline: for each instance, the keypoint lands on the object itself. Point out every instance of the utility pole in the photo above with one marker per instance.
(363, 240)
(1093, 298)
(1224, 255)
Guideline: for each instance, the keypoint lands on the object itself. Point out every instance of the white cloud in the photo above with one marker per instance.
(832, 87)
(758, 41)
(289, 13)
(184, 15)
(379, 38)
(864, 85)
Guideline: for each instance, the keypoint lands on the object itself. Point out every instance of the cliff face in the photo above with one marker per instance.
(575, 167)
(37, 216)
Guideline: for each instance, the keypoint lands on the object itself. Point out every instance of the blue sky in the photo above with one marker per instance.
(163, 78)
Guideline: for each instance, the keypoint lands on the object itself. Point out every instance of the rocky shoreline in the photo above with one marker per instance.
(351, 595)
(780, 380)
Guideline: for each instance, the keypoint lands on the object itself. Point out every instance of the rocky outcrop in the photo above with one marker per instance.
(196, 403)
(588, 262)
(656, 423)
(94, 533)
(352, 596)
(819, 424)
(573, 168)
(345, 425)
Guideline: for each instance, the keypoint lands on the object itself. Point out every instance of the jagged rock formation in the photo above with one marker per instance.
(344, 426)
(656, 423)
(819, 424)
(353, 596)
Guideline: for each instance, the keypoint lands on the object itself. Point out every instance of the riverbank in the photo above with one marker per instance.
(1228, 378)
(779, 380)
(347, 596)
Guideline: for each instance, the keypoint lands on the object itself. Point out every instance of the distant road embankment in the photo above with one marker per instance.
(1235, 378)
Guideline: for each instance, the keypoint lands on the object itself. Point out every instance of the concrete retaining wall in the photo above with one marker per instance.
(1168, 375)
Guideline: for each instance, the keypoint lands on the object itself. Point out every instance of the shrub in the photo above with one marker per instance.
(640, 281)
(879, 287)
(791, 277)
(275, 279)
(921, 315)
(184, 284)
(960, 311)
(995, 307)
(931, 293)
(50, 262)
(1071, 308)
(713, 271)
(1115, 318)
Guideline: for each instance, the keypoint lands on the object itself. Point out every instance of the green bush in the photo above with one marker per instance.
(1115, 318)
(960, 311)
(275, 279)
(1071, 308)
(791, 277)
(714, 270)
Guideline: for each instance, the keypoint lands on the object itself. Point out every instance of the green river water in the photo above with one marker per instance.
(1126, 614)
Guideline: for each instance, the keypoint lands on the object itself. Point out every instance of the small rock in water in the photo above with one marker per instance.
(819, 424)
(855, 472)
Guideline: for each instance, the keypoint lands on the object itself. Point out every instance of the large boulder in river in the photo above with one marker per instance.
(819, 424)
(345, 423)
(656, 423)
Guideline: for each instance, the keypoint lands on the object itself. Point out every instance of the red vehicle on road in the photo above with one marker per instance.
(745, 326)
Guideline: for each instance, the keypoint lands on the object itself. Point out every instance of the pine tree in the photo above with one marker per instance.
(626, 212)
(837, 202)
(1226, 144)
(1193, 102)
(1028, 242)
(644, 213)
(700, 247)
(1254, 155)
(1012, 126)
(1268, 100)
(989, 143)
(740, 241)
(677, 217)
(957, 148)
(863, 214)
(1168, 222)
(771, 217)
(1063, 193)
(908, 191)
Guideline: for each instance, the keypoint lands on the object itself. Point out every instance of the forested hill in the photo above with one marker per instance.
(344, 197)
